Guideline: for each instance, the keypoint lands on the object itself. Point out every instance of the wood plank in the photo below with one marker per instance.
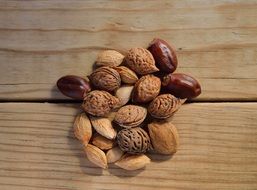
(43, 40)
(218, 151)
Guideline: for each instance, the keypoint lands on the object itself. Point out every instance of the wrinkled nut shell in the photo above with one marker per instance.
(105, 78)
(163, 106)
(164, 55)
(134, 140)
(103, 126)
(102, 142)
(73, 86)
(109, 58)
(114, 154)
(99, 103)
(133, 162)
(181, 85)
(96, 156)
(164, 137)
(130, 116)
(124, 94)
(82, 128)
(146, 89)
(141, 61)
(127, 75)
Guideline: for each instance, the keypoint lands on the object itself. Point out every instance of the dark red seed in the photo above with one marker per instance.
(181, 85)
(73, 86)
(164, 55)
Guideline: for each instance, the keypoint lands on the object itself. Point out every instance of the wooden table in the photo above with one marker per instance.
(42, 40)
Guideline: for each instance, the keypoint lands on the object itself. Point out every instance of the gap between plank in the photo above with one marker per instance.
(78, 101)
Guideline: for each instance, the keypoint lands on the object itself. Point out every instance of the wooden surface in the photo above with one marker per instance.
(218, 151)
(44, 40)
(40, 41)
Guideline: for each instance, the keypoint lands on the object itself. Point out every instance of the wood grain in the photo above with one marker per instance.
(43, 40)
(218, 151)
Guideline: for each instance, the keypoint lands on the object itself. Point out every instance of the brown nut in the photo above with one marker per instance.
(164, 137)
(103, 126)
(82, 128)
(127, 75)
(109, 58)
(141, 61)
(105, 78)
(164, 55)
(114, 154)
(102, 142)
(99, 103)
(181, 85)
(96, 156)
(163, 106)
(130, 116)
(134, 140)
(146, 89)
(73, 86)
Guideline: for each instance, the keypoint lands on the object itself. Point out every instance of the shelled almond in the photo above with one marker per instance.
(126, 104)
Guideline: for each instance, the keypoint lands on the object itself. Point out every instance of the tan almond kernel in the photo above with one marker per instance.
(133, 162)
(102, 142)
(127, 75)
(82, 128)
(96, 156)
(114, 154)
(124, 94)
(103, 126)
(164, 137)
(109, 58)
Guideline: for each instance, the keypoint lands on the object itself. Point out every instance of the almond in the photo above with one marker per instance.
(82, 128)
(124, 94)
(164, 137)
(127, 75)
(96, 156)
(102, 142)
(103, 126)
(109, 58)
(133, 162)
(114, 154)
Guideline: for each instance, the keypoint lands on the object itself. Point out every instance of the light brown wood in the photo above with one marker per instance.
(218, 151)
(41, 41)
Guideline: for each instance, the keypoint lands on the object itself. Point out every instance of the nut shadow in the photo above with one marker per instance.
(85, 165)
(121, 173)
(155, 157)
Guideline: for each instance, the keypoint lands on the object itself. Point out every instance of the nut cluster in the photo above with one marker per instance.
(126, 102)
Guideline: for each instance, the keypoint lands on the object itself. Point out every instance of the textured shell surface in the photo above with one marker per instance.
(134, 140)
(99, 103)
(105, 78)
(146, 89)
(141, 61)
(130, 116)
(163, 106)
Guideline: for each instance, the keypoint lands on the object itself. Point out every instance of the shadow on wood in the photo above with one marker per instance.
(121, 173)
(86, 166)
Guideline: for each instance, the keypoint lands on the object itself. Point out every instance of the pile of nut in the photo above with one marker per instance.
(127, 102)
